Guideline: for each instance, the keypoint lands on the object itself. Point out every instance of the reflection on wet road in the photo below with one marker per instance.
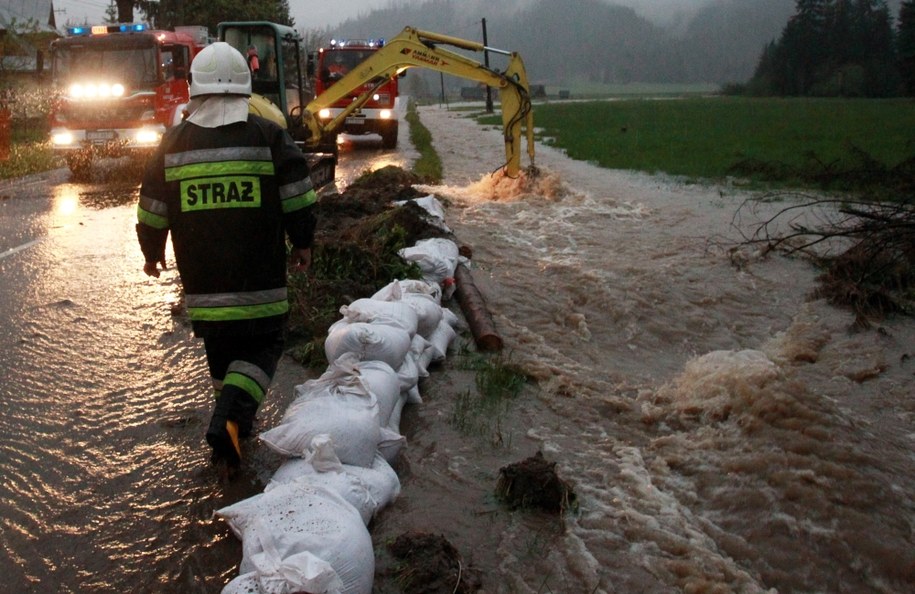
(105, 483)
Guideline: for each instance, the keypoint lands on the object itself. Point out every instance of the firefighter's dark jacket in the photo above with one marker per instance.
(228, 195)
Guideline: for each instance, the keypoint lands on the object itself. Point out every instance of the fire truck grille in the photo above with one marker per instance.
(103, 115)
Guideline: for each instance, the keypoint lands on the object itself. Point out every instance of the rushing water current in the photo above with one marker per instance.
(724, 432)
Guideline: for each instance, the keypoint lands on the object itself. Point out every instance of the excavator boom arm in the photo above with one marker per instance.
(419, 49)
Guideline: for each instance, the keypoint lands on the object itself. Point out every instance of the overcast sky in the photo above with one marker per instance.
(315, 14)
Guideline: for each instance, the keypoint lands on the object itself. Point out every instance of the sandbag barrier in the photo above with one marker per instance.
(308, 530)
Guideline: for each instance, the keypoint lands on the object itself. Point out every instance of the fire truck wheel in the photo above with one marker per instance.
(389, 137)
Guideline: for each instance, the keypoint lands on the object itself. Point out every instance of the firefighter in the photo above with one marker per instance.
(229, 187)
(338, 68)
(253, 61)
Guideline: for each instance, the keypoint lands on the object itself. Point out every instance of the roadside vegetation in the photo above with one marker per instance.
(29, 150)
(428, 166)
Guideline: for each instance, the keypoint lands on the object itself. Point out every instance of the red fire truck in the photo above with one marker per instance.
(377, 115)
(119, 87)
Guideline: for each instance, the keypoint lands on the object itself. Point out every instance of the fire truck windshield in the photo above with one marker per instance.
(338, 62)
(134, 65)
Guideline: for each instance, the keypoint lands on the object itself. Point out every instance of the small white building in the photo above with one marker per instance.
(27, 15)
(26, 27)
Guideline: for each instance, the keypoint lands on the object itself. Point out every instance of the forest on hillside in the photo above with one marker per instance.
(568, 42)
(595, 41)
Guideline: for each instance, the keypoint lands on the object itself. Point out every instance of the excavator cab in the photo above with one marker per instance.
(278, 76)
(278, 87)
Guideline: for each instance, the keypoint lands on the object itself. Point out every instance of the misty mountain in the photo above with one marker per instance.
(724, 40)
(599, 41)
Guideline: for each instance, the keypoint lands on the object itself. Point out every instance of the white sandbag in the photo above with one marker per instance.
(350, 376)
(451, 317)
(422, 354)
(342, 380)
(437, 258)
(378, 311)
(408, 373)
(390, 444)
(369, 342)
(413, 396)
(441, 339)
(322, 467)
(383, 482)
(380, 479)
(394, 420)
(428, 312)
(395, 290)
(302, 572)
(297, 518)
(384, 383)
(355, 431)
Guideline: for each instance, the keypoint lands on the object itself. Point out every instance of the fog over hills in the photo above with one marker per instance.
(603, 41)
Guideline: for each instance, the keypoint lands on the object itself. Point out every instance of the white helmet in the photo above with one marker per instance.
(220, 69)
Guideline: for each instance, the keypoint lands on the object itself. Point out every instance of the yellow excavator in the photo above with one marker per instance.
(279, 88)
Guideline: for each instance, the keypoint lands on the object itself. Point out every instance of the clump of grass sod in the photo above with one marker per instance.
(498, 384)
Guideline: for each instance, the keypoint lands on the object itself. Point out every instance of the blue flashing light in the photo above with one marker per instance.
(105, 29)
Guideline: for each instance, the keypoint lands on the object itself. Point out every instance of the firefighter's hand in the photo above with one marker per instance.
(300, 260)
(152, 268)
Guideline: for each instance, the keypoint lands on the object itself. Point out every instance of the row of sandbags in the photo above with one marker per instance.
(307, 532)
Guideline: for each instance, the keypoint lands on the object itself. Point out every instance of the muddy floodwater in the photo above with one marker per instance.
(722, 431)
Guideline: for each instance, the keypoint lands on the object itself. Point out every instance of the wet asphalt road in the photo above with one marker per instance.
(104, 484)
(105, 481)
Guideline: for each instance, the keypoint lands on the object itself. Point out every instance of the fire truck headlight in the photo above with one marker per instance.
(94, 90)
(385, 114)
(376, 97)
(62, 138)
(147, 137)
(324, 114)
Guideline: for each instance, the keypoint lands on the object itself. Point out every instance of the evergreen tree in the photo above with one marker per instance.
(111, 13)
(906, 46)
(831, 47)
(166, 14)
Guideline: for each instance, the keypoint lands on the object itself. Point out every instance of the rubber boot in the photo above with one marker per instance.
(224, 441)
(245, 409)
(223, 433)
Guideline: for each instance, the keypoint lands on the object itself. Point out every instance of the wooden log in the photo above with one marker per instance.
(474, 307)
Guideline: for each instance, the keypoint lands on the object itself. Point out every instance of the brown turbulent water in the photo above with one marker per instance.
(723, 433)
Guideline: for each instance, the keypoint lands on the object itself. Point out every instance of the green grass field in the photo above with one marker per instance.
(705, 137)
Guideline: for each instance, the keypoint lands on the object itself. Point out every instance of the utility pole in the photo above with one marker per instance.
(486, 63)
